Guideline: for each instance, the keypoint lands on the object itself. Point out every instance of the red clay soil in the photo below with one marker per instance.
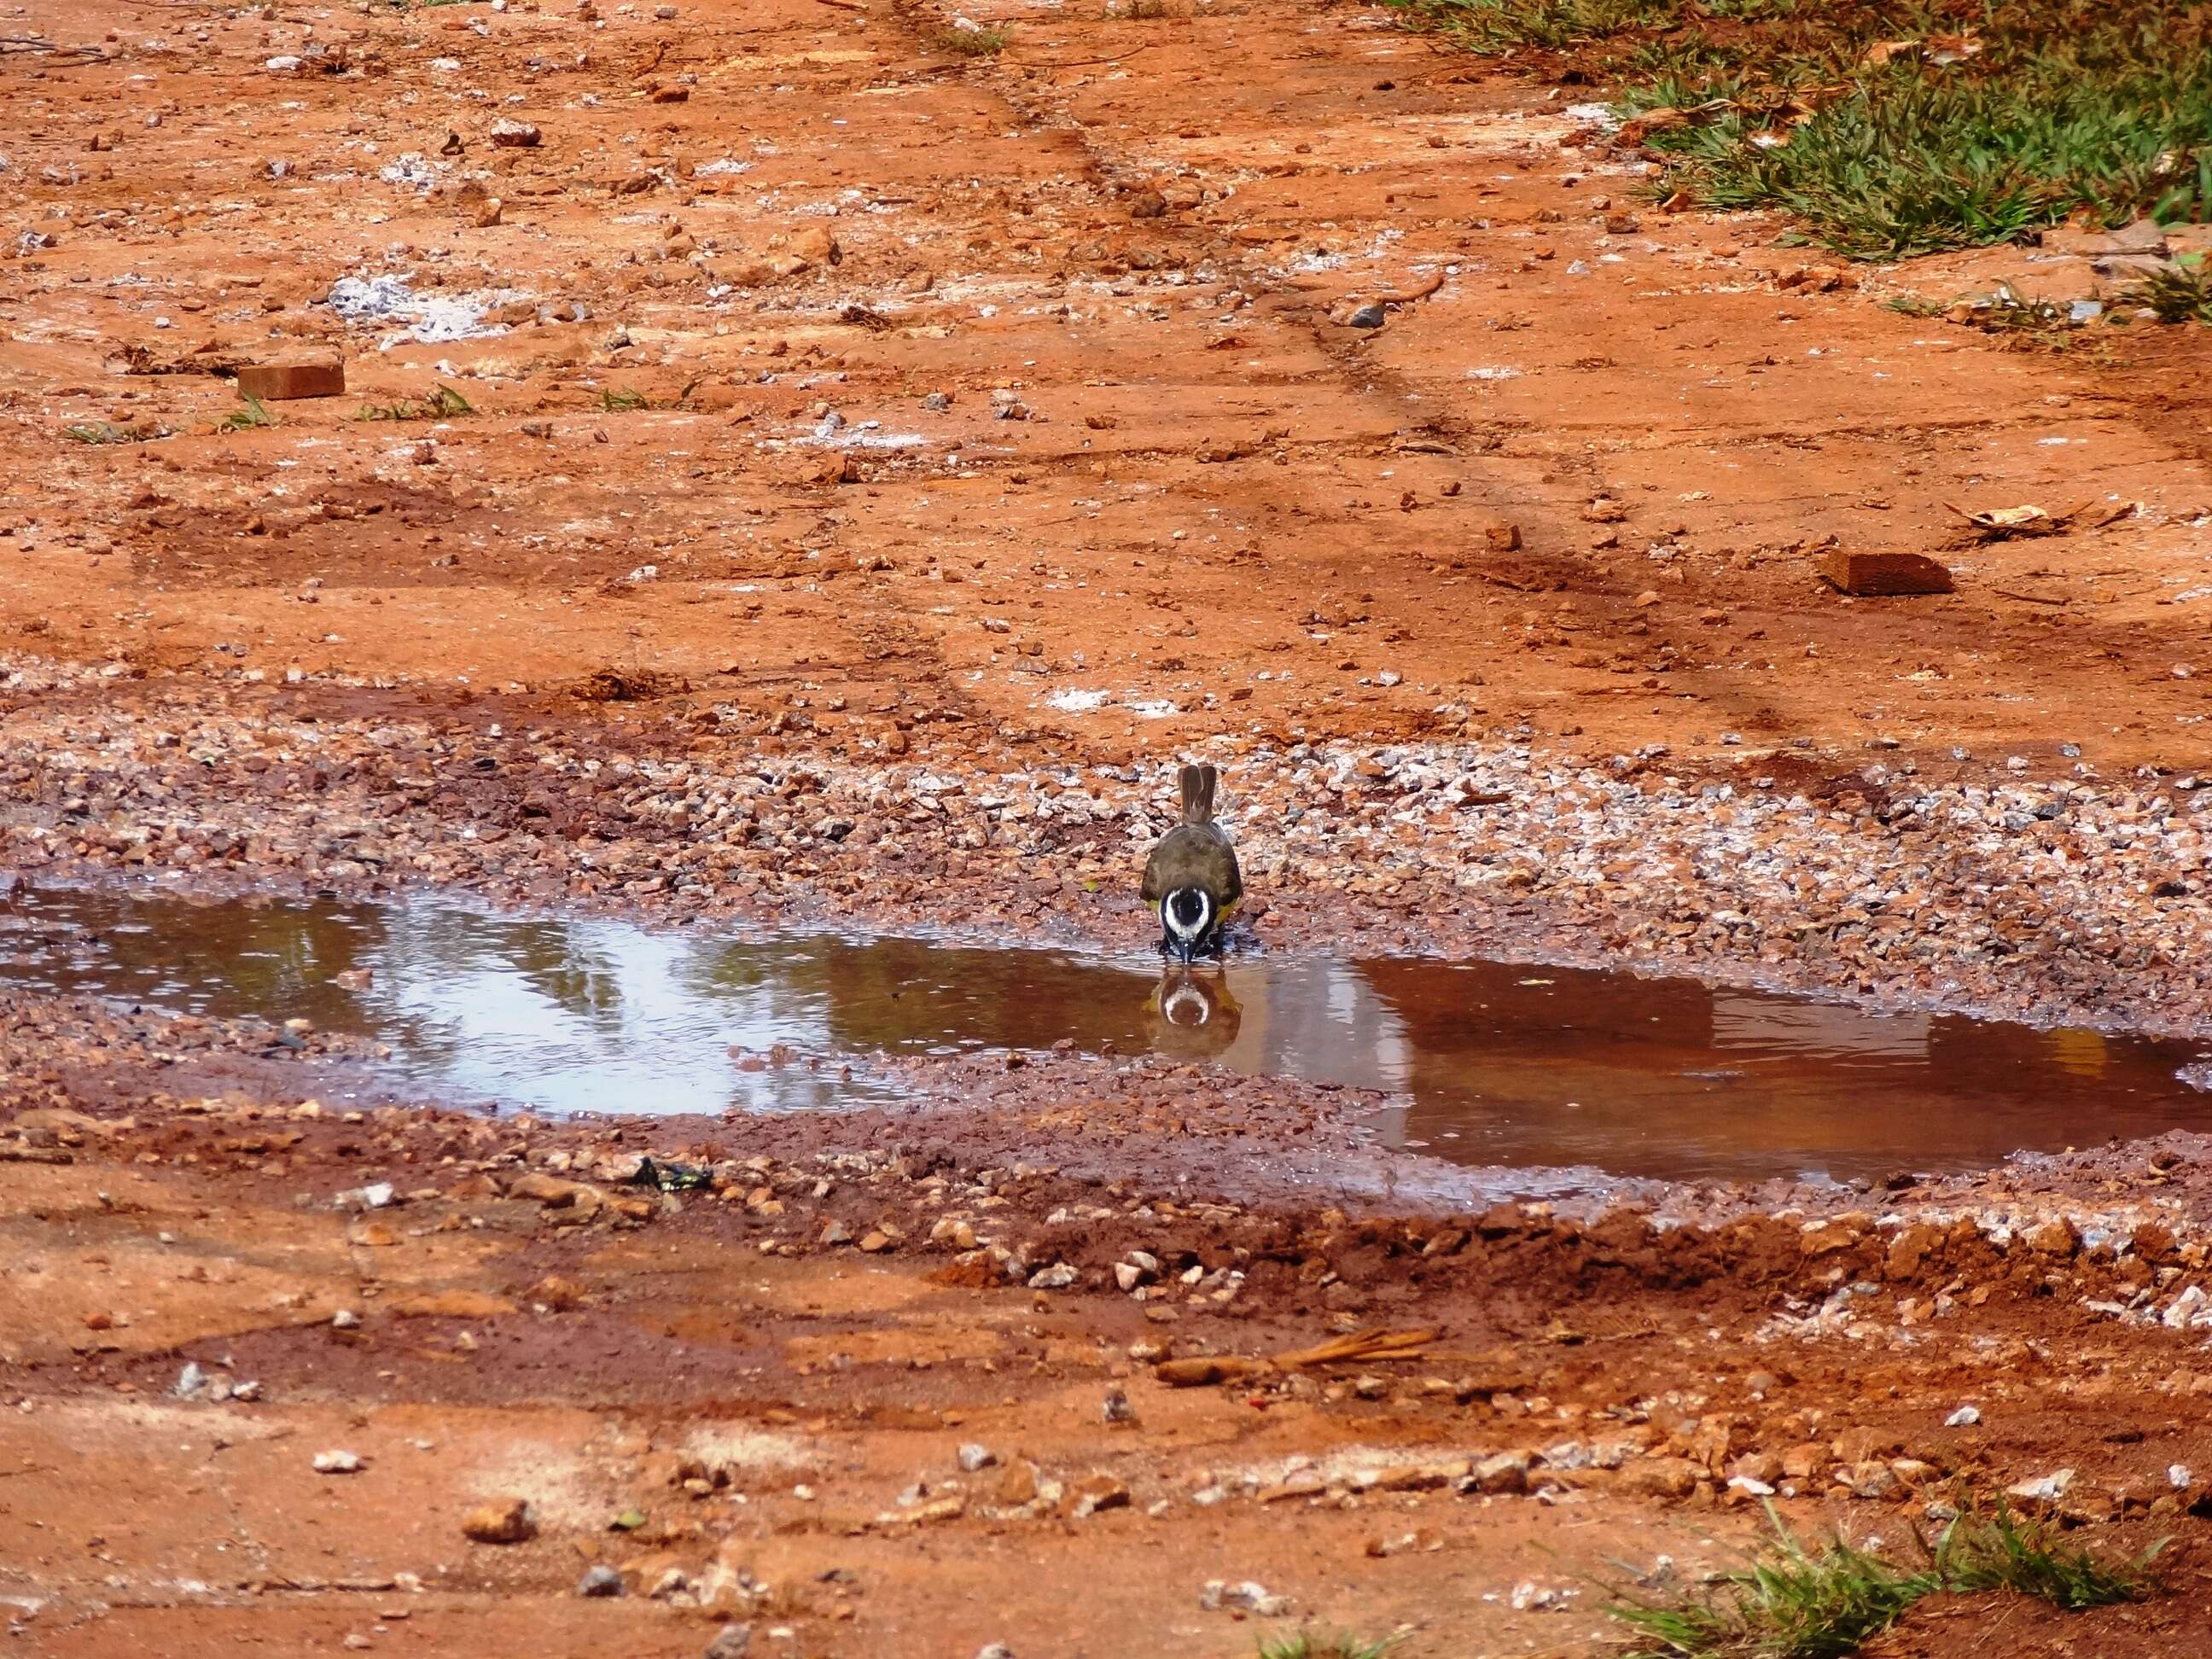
(833, 394)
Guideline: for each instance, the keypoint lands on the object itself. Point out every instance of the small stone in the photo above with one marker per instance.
(601, 1581)
(1095, 1492)
(503, 1521)
(345, 1318)
(816, 245)
(1058, 1277)
(1250, 1597)
(972, 1457)
(2143, 236)
(731, 1642)
(1965, 1417)
(1019, 1484)
(1872, 1480)
(190, 1381)
(1502, 1472)
(1115, 1407)
(1370, 316)
(1662, 1477)
(337, 1463)
(514, 135)
(2055, 1237)
(2043, 1488)
(995, 1651)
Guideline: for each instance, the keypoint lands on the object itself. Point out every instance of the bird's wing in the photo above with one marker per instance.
(1150, 891)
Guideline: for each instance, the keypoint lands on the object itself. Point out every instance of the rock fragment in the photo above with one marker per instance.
(502, 1521)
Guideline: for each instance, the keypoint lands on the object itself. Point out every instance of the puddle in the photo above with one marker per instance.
(1496, 1063)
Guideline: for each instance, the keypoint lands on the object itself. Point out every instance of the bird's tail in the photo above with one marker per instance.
(1198, 783)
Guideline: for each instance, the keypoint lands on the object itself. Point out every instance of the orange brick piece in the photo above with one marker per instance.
(275, 382)
(1884, 572)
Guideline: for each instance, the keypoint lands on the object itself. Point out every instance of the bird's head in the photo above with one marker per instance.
(1186, 913)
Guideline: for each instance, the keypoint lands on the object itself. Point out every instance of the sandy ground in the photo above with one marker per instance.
(862, 435)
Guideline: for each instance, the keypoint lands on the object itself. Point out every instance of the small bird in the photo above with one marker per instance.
(1191, 1016)
(1192, 873)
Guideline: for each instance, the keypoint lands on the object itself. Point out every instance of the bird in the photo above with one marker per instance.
(1191, 874)
(1192, 1018)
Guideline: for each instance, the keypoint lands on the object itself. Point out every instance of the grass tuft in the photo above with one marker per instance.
(2179, 292)
(2000, 1551)
(2044, 322)
(620, 400)
(973, 40)
(1891, 130)
(1794, 1601)
(440, 403)
(250, 413)
(1342, 1645)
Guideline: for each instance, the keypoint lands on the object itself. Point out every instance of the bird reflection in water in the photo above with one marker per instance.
(1192, 1015)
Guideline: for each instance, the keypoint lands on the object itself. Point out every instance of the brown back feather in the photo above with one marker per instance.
(1198, 783)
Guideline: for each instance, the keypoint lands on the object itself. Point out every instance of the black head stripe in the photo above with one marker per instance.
(1188, 906)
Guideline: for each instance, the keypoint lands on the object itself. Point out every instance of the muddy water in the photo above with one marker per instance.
(1496, 1063)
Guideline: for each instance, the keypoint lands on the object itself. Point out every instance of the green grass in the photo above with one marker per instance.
(250, 413)
(987, 40)
(1999, 1552)
(440, 403)
(2045, 323)
(1797, 1602)
(1307, 1645)
(1792, 1603)
(619, 401)
(2180, 293)
(2065, 108)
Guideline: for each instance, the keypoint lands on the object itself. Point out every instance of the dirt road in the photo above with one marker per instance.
(791, 467)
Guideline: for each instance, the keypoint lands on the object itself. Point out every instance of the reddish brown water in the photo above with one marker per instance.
(1496, 1062)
